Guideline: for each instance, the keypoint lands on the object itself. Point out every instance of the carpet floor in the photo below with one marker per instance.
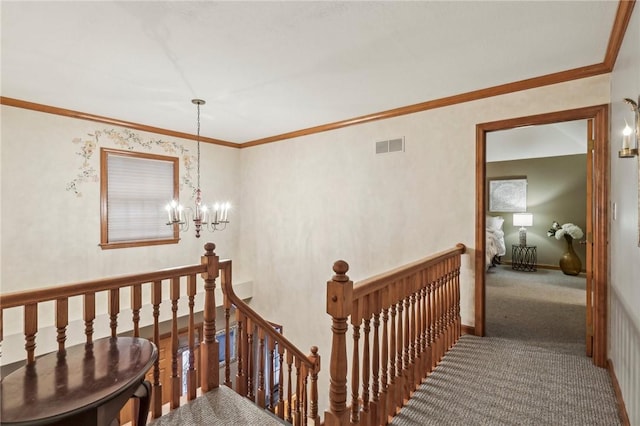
(531, 369)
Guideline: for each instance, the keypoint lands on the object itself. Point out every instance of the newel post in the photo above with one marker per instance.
(210, 374)
(339, 303)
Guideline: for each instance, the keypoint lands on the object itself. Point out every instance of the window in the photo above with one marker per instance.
(134, 190)
(222, 342)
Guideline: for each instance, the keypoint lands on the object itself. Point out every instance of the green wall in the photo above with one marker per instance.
(556, 190)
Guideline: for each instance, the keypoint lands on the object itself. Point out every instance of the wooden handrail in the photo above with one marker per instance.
(20, 298)
(375, 283)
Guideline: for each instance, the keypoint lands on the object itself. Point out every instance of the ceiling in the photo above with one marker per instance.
(269, 68)
(546, 140)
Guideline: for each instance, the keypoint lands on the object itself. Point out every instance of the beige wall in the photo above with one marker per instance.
(556, 190)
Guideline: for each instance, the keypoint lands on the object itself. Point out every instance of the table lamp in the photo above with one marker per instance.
(522, 220)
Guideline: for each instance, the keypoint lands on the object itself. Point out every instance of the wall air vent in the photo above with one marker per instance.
(392, 145)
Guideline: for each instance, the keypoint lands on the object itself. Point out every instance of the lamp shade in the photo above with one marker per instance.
(522, 219)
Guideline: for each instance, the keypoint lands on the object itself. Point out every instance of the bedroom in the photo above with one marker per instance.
(549, 162)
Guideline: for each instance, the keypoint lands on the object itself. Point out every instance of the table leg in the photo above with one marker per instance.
(143, 393)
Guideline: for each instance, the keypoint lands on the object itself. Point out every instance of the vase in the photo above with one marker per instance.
(570, 262)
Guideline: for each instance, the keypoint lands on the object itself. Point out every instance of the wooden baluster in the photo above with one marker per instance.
(30, 330)
(443, 312)
(432, 317)
(407, 341)
(339, 305)
(176, 380)
(400, 383)
(241, 378)
(421, 327)
(447, 309)
(313, 416)
(374, 406)
(424, 335)
(297, 418)
(210, 371)
(227, 340)
(412, 339)
(260, 400)
(192, 377)
(1, 330)
(391, 397)
(280, 407)
(62, 321)
(355, 362)
(429, 308)
(302, 385)
(419, 356)
(458, 317)
(384, 377)
(437, 318)
(440, 317)
(272, 371)
(452, 301)
(250, 359)
(114, 310)
(89, 315)
(156, 299)
(366, 360)
(287, 417)
(136, 305)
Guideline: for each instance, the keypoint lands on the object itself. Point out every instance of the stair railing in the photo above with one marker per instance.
(264, 351)
(182, 285)
(402, 324)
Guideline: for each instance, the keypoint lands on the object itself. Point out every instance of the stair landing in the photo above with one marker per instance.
(221, 406)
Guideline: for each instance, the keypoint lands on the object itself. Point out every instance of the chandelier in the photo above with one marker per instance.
(215, 219)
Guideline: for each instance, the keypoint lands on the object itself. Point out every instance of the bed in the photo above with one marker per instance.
(495, 247)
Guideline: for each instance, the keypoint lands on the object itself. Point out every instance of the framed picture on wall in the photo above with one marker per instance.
(508, 195)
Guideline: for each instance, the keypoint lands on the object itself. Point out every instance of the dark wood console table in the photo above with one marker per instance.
(84, 386)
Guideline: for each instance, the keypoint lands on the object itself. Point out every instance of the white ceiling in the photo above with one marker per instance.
(548, 140)
(267, 68)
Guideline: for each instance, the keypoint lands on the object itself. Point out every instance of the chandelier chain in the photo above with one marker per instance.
(198, 140)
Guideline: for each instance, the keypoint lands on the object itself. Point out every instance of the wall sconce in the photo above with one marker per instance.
(631, 136)
(522, 220)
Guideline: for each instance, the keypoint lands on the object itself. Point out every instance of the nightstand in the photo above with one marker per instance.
(524, 258)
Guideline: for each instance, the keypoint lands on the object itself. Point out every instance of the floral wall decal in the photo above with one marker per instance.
(127, 140)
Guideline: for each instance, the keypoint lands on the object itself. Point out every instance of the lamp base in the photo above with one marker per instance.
(523, 236)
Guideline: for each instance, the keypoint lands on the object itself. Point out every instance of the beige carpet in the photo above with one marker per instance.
(545, 308)
(221, 406)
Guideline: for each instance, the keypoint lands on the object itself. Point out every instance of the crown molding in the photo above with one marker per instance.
(107, 120)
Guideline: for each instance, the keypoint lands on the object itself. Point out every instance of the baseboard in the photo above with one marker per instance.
(468, 329)
(622, 410)
(543, 266)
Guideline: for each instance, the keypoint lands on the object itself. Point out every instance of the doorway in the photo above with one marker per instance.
(596, 266)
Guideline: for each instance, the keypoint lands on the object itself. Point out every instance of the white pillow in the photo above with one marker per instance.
(494, 222)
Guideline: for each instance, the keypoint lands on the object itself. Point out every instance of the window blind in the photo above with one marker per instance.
(138, 189)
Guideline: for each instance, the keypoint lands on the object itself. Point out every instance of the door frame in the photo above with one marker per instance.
(600, 203)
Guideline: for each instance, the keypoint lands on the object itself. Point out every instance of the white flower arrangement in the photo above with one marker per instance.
(568, 229)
